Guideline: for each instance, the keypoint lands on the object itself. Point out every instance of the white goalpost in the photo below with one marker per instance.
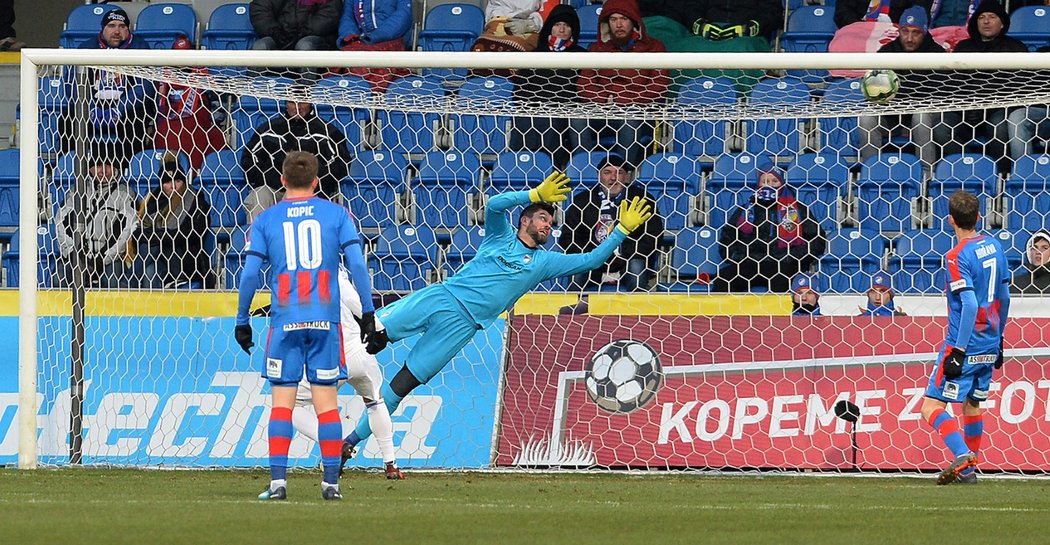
(118, 367)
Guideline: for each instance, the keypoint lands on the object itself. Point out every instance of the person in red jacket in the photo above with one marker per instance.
(620, 29)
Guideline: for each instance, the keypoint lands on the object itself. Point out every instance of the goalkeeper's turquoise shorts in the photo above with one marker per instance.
(444, 324)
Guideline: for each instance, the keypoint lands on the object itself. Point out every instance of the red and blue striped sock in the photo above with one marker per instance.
(946, 425)
(973, 429)
(329, 435)
(280, 430)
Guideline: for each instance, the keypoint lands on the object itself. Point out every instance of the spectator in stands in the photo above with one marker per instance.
(560, 32)
(299, 129)
(591, 217)
(718, 21)
(173, 222)
(376, 25)
(880, 297)
(122, 108)
(914, 37)
(302, 25)
(188, 119)
(510, 25)
(1037, 279)
(851, 11)
(8, 41)
(620, 29)
(805, 299)
(1024, 125)
(768, 240)
(107, 214)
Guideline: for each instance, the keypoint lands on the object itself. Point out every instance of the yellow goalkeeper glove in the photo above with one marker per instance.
(553, 189)
(634, 214)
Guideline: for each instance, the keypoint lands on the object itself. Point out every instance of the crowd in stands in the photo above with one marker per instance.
(768, 242)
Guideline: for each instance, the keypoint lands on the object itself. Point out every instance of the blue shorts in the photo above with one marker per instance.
(973, 384)
(316, 347)
(445, 325)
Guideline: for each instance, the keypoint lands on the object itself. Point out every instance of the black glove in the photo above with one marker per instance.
(999, 359)
(375, 340)
(952, 364)
(243, 335)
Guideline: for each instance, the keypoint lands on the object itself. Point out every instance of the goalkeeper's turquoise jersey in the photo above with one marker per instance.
(505, 268)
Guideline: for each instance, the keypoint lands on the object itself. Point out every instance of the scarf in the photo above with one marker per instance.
(880, 310)
(178, 101)
(635, 36)
(783, 214)
(877, 8)
(558, 44)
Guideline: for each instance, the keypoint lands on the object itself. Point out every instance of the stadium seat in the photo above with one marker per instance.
(403, 258)
(888, 184)
(839, 134)
(47, 265)
(820, 181)
(809, 30)
(703, 138)
(852, 256)
(780, 135)
(63, 175)
(974, 173)
(54, 98)
(253, 108)
(583, 167)
(464, 246)
(233, 261)
(589, 15)
(519, 170)
(9, 181)
(82, 24)
(482, 133)
(694, 255)
(450, 27)
(411, 131)
(229, 27)
(1015, 246)
(143, 172)
(372, 187)
(918, 260)
(732, 182)
(352, 121)
(222, 180)
(441, 188)
(1031, 25)
(674, 180)
(161, 24)
(1027, 194)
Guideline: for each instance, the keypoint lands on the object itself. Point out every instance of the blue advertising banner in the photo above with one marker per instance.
(178, 391)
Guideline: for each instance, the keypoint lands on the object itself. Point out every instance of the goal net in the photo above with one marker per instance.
(775, 176)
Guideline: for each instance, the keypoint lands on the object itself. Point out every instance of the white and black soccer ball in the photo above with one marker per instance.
(880, 86)
(623, 376)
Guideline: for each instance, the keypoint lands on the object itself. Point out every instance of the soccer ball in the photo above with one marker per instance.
(880, 86)
(623, 376)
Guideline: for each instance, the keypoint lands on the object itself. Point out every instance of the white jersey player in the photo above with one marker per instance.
(366, 377)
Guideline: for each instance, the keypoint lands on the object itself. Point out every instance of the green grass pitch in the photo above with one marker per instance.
(85, 505)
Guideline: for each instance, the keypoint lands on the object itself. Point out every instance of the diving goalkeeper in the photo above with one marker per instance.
(508, 264)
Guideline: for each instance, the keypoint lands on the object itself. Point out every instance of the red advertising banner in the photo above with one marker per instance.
(753, 392)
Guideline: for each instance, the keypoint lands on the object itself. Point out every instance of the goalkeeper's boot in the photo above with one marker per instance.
(278, 493)
(330, 492)
(348, 452)
(393, 473)
(960, 464)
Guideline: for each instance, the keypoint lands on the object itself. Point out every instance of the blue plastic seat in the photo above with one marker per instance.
(54, 99)
(229, 28)
(463, 247)
(350, 120)
(1027, 192)
(839, 134)
(733, 181)
(974, 173)
(852, 256)
(233, 261)
(9, 182)
(703, 138)
(482, 132)
(82, 24)
(918, 260)
(888, 183)
(406, 131)
(440, 189)
(820, 181)
(583, 167)
(143, 172)
(519, 170)
(403, 257)
(161, 24)
(48, 274)
(809, 30)
(695, 253)
(1031, 25)
(450, 27)
(589, 15)
(372, 187)
(673, 179)
(254, 108)
(778, 134)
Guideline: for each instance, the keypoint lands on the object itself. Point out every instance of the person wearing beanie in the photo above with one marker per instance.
(589, 220)
(553, 87)
(988, 28)
(115, 34)
(805, 297)
(769, 239)
(880, 297)
(173, 223)
(1037, 256)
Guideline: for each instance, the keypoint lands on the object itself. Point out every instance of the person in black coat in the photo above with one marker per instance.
(722, 19)
(299, 129)
(295, 24)
(593, 214)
